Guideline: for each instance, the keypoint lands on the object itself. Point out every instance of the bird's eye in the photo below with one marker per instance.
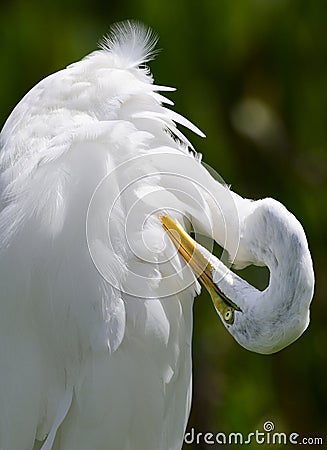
(229, 316)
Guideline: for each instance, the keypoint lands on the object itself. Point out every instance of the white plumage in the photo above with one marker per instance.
(96, 305)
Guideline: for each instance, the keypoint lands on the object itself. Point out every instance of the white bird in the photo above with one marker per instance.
(98, 186)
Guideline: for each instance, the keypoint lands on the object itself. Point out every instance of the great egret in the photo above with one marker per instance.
(98, 186)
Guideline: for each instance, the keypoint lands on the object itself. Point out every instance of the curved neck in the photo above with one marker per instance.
(275, 317)
(277, 240)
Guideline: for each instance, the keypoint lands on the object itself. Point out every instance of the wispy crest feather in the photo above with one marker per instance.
(131, 42)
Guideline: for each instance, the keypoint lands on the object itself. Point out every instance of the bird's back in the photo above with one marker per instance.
(95, 346)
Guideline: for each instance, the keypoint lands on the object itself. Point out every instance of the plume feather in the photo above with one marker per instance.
(131, 42)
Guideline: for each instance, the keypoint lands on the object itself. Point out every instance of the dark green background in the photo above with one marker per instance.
(267, 58)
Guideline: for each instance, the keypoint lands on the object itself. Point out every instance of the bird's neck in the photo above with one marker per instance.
(290, 268)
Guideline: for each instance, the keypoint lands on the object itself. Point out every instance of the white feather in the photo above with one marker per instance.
(75, 328)
(131, 43)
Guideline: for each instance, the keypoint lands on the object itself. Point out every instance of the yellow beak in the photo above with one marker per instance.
(201, 267)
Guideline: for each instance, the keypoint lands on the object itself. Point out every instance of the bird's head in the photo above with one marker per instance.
(261, 321)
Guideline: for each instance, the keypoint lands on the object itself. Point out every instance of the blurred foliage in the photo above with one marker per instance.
(253, 75)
